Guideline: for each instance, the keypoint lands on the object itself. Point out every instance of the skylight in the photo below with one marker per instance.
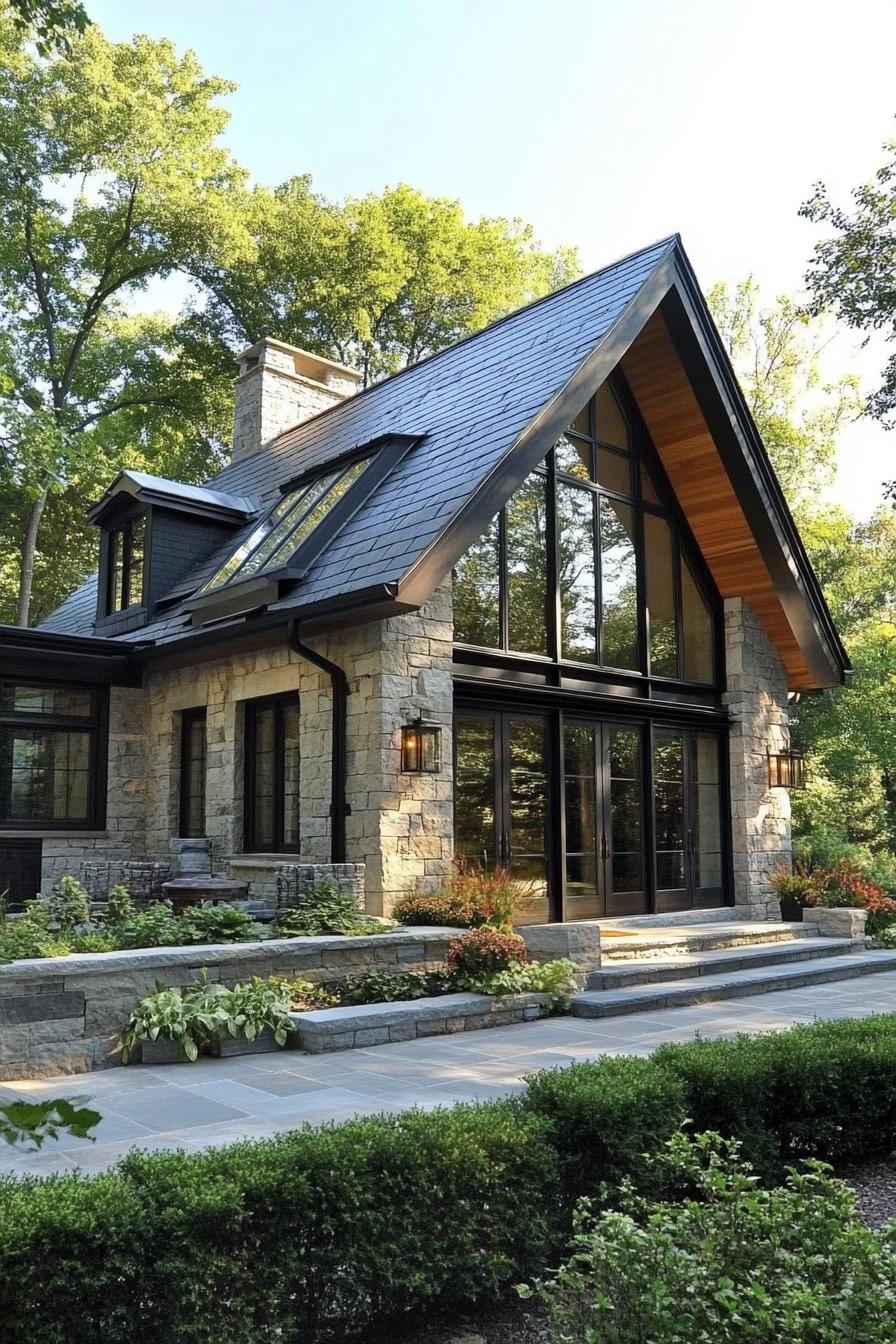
(288, 524)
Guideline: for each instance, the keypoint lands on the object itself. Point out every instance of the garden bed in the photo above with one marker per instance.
(65, 1014)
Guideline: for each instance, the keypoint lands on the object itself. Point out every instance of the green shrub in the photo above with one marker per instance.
(119, 905)
(796, 1094)
(23, 938)
(557, 978)
(260, 1005)
(326, 910)
(218, 924)
(96, 941)
(192, 1018)
(69, 905)
(470, 898)
(482, 952)
(382, 987)
(156, 926)
(728, 1264)
(604, 1116)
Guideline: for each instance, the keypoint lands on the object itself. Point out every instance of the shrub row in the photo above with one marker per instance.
(322, 1232)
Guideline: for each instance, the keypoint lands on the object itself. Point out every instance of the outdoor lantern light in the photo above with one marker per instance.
(421, 747)
(785, 769)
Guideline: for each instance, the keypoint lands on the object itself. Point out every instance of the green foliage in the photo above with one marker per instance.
(69, 904)
(119, 906)
(156, 926)
(852, 269)
(557, 978)
(341, 1218)
(303, 996)
(445, 909)
(218, 924)
(325, 910)
(51, 23)
(206, 1011)
(23, 938)
(382, 987)
(731, 1263)
(482, 952)
(31, 1123)
(604, 1116)
(97, 941)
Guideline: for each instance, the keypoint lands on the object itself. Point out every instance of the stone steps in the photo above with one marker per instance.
(703, 938)
(717, 961)
(707, 988)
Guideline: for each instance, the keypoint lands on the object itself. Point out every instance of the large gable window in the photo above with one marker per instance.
(125, 573)
(50, 738)
(587, 564)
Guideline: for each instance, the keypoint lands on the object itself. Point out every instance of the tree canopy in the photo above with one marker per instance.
(114, 178)
(853, 270)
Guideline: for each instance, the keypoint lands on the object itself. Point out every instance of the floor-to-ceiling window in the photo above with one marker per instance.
(588, 580)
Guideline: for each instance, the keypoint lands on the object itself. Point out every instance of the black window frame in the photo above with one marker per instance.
(125, 531)
(251, 843)
(188, 719)
(640, 452)
(95, 724)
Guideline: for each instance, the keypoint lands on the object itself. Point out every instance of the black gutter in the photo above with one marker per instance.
(339, 808)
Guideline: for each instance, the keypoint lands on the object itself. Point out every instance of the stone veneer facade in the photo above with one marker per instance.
(756, 697)
(400, 826)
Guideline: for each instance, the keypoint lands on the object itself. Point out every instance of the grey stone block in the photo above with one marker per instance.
(371, 1036)
(39, 1007)
(432, 1026)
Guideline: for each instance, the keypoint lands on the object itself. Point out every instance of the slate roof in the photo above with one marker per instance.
(142, 483)
(471, 402)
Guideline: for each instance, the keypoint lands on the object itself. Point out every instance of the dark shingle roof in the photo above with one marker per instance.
(471, 402)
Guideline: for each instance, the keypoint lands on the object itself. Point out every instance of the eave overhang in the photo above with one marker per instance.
(48, 656)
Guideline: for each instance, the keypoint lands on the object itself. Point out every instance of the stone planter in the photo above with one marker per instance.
(229, 1046)
(161, 1052)
(840, 922)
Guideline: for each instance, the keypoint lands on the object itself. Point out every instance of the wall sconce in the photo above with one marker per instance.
(421, 747)
(786, 769)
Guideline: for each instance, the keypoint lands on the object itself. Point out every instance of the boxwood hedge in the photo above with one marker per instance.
(319, 1233)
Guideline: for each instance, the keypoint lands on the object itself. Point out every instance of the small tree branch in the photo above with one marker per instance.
(123, 405)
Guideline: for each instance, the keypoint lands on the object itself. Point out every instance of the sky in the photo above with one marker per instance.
(604, 125)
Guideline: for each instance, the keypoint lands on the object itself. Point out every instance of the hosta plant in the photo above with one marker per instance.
(192, 1018)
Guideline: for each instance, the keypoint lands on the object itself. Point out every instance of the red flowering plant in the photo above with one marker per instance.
(843, 885)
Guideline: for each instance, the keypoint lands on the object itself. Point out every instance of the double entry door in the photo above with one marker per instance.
(593, 818)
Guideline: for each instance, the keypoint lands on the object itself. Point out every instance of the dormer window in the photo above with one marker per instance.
(127, 548)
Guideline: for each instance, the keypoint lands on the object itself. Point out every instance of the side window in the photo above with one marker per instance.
(192, 773)
(271, 781)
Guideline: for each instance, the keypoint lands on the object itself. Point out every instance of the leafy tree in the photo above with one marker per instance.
(111, 176)
(378, 282)
(853, 271)
(31, 1123)
(776, 352)
(51, 23)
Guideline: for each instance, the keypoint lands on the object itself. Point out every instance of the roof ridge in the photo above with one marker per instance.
(669, 241)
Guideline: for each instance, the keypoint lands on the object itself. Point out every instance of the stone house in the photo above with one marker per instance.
(537, 601)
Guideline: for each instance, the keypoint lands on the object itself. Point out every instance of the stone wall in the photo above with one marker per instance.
(760, 817)
(65, 1014)
(400, 827)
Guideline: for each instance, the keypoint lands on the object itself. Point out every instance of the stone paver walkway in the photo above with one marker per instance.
(219, 1101)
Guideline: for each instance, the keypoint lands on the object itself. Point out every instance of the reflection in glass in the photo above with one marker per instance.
(582, 422)
(580, 758)
(612, 426)
(697, 632)
(528, 819)
(290, 731)
(619, 586)
(614, 471)
(264, 773)
(660, 596)
(573, 457)
(668, 783)
(45, 775)
(648, 489)
(477, 587)
(527, 567)
(575, 540)
(67, 701)
(708, 816)
(474, 805)
(625, 845)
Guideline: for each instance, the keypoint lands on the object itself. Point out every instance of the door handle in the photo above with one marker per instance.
(604, 847)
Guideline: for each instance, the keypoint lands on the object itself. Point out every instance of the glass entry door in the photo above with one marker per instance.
(502, 800)
(604, 815)
(688, 819)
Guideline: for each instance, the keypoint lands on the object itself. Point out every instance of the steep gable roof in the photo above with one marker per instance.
(486, 411)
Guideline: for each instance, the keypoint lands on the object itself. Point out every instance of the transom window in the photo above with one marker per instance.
(49, 755)
(127, 548)
(291, 521)
(585, 563)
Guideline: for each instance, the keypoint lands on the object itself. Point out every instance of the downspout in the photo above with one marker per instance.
(339, 808)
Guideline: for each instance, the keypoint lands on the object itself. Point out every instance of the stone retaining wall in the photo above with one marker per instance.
(368, 1024)
(65, 1014)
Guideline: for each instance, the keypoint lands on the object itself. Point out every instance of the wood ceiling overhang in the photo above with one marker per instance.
(734, 518)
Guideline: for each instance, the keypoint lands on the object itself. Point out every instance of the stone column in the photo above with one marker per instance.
(756, 695)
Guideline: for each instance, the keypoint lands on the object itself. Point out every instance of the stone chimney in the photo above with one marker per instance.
(278, 386)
